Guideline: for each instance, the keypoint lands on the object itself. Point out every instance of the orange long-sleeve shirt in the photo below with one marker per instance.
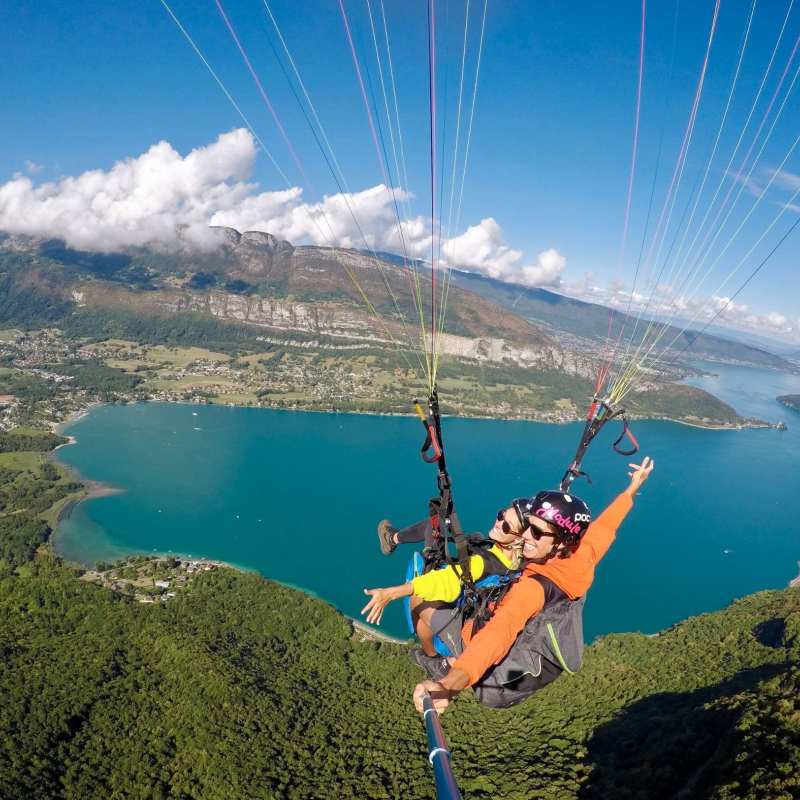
(574, 575)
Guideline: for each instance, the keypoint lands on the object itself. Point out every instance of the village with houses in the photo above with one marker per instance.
(47, 378)
(149, 579)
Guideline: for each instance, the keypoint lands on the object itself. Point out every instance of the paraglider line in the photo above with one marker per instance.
(728, 302)
(432, 110)
(604, 371)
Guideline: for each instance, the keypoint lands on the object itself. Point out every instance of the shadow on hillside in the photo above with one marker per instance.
(101, 265)
(657, 747)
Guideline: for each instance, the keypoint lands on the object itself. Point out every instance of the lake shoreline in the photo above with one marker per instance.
(94, 489)
(59, 427)
(249, 464)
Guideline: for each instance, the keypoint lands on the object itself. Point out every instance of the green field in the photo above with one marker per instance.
(159, 354)
(236, 399)
(22, 460)
(51, 515)
(189, 382)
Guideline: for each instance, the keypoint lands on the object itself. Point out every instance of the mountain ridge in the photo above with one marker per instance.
(254, 289)
(591, 321)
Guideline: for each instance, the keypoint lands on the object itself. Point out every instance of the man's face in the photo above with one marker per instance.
(533, 548)
(512, 519)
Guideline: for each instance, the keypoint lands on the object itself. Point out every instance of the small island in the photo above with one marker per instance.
(791, 400)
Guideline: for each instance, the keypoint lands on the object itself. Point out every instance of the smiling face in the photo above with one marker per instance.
(513, 521)
(534, 548)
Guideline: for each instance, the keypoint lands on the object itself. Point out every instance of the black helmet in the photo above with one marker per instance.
(569, 514)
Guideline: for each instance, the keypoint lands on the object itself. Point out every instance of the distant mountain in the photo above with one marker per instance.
(779, 348)
(256, 280)
(591, 321)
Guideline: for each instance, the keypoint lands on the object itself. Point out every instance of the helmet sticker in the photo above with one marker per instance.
(552, 515)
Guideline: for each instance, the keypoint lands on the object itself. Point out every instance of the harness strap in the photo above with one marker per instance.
(431, 439)
(626, 432)
(601, 412)
(444, 518)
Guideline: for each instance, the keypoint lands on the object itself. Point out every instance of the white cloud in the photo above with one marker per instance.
(290, 216)
(32, 167)
(664, 307)
(787, 180)
(482, 248)
(158, 194)
(138, 200)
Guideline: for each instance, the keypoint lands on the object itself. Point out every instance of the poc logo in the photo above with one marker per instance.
(583, 517)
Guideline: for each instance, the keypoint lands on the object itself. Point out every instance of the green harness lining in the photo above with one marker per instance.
(558, 650)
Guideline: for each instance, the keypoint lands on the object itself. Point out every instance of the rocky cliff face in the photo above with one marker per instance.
(337, 322)
(547, 357)
(280, 315)
(317, 292)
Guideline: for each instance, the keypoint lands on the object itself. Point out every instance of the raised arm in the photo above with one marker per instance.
(493, 642)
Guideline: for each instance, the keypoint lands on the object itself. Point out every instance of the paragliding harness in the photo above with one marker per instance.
(601, 412)
(550, 643)
(552, 640)
(444, 519)
(476, 597)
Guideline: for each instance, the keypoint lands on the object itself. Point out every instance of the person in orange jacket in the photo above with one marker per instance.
(560, 552)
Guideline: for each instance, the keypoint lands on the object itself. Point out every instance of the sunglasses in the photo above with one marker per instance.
(505, 527)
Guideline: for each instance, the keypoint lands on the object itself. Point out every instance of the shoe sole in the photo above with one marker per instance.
(387, 548)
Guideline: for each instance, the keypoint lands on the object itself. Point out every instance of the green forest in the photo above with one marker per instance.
(239, 687)
(30, 485)
(242, 688)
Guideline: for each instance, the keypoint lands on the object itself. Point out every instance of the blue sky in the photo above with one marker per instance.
(85, 85)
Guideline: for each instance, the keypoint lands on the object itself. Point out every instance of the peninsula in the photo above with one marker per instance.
(791, 400)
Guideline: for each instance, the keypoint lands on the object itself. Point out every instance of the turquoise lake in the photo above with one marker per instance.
(297, 496)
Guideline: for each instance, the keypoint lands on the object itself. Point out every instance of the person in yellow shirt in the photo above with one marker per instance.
(433, 595)
(514, 655)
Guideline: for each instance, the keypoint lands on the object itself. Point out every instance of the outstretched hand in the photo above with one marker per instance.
(380, 598)
(641, 472)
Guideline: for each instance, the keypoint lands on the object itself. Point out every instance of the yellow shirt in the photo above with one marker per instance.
(444, 584)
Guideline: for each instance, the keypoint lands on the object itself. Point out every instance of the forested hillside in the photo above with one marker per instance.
(239, 687)
(32, 489)
(243, 688)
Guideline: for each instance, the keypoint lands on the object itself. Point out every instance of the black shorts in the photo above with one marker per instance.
(446, 626)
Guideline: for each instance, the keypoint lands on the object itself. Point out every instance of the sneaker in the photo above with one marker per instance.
(436, 667)
(385, 532)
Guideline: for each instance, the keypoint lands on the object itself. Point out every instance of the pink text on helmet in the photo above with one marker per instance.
(551, 515)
